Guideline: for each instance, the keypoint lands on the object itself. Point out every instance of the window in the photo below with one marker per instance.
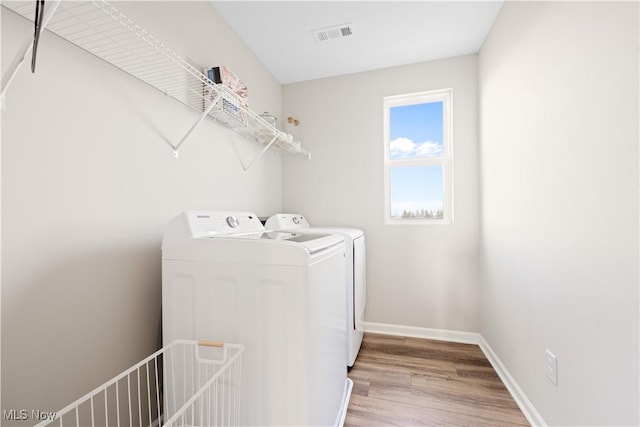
(417, 158)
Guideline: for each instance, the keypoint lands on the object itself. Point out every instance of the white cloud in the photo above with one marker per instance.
(402, 147)
(405, 148)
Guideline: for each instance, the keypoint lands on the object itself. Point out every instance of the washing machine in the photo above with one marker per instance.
(355, 272)
(225, 278)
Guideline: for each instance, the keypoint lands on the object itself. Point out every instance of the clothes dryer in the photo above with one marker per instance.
(225, 278)
(355, 272)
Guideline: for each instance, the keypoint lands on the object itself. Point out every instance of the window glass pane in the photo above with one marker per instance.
(416, 131)
(416, 192)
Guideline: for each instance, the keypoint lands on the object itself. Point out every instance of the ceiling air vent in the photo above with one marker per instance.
(333, 32)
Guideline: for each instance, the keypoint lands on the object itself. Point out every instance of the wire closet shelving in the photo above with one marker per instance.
(101, 29)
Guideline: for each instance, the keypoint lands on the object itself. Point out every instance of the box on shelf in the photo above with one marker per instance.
(232, 106)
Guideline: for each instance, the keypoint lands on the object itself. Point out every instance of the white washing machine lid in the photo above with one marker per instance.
(352, 233)
(313, 242)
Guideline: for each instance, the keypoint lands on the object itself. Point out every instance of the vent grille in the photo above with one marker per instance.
(333, 32)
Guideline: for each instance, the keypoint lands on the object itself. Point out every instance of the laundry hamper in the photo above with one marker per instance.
(186, 383)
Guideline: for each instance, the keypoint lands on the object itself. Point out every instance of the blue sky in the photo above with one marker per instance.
(416, 131)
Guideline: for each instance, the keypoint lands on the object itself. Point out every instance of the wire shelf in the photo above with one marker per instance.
(104, 31)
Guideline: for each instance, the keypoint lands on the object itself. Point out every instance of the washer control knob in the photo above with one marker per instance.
(232, 221)
(296, 220)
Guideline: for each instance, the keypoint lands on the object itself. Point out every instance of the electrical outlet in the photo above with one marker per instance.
(551, 366)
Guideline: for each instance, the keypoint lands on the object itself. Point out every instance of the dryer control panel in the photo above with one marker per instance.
(284, 221)
(212, 223)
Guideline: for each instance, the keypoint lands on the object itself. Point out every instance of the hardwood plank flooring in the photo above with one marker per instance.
(400, 381)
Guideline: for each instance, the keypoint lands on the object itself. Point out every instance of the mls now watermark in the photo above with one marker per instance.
(23, 415)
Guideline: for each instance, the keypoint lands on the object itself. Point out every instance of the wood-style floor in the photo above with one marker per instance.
(416, 382)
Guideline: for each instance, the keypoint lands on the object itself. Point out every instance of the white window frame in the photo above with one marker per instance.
(446, 160)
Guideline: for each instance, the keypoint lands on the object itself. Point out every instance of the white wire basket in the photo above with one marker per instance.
(186, 383)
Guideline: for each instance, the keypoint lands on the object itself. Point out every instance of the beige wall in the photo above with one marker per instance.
(88, 185)
(417, 275)
(559, 168)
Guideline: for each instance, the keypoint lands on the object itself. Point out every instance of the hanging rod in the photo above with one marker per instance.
(24, 50)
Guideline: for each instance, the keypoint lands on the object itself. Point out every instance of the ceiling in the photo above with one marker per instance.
(384, 33)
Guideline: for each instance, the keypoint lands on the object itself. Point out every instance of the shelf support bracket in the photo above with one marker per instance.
(23, 52)
(195, 125)
(264, 150)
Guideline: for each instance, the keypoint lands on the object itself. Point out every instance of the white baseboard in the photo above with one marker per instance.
(527, 408)
(521, 399)
(426, 333)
